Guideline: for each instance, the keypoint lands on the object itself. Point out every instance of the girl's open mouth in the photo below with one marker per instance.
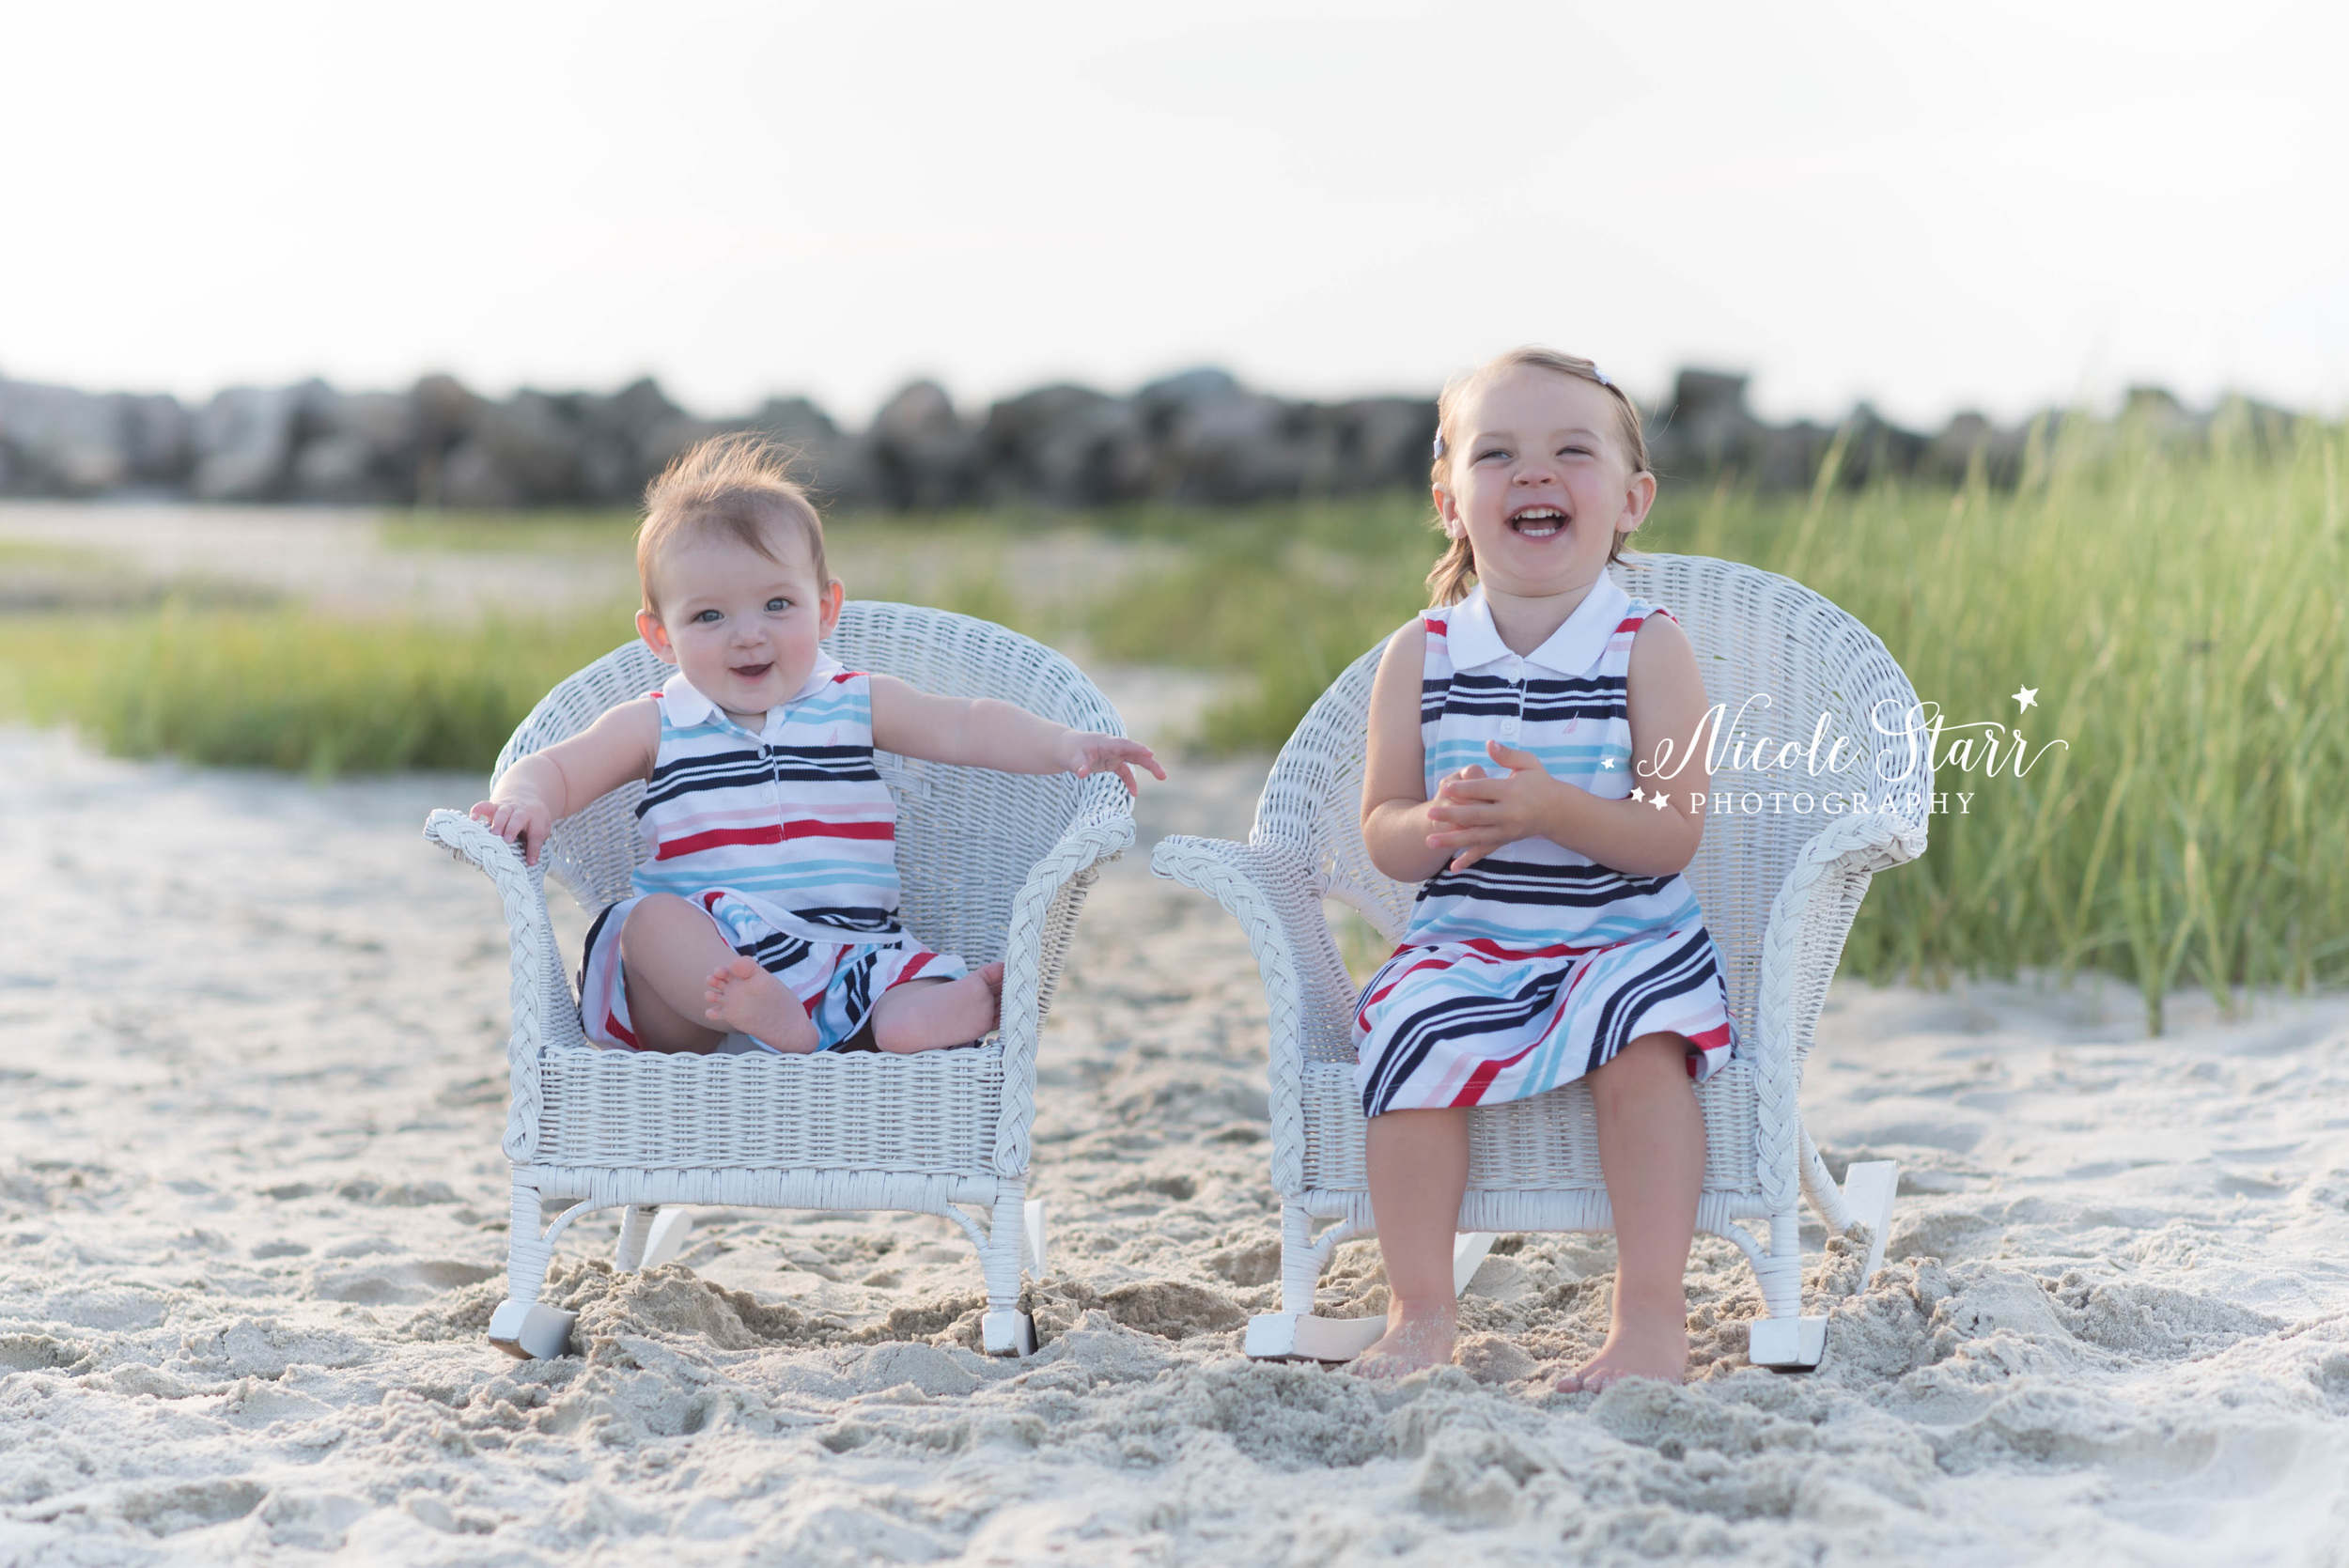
(1538, 523)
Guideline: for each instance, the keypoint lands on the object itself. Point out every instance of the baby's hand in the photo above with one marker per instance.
(523, 821)
(1085, 751)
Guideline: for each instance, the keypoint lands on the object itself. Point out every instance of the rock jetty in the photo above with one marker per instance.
(1199, 438)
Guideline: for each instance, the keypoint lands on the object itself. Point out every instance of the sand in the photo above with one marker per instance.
(252, 1078)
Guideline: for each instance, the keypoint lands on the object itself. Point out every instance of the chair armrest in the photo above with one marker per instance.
(1104, 828)
(1274, 895)
(521, 891)
(1809, 919)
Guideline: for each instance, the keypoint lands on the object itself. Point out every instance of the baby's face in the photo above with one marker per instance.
(1540, 483)
(742, 627)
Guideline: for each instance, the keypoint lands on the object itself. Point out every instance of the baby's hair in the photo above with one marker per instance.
(736, 485)
(1448, 584)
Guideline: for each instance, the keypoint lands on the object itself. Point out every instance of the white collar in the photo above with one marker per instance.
(685, 706)
(1472, 639)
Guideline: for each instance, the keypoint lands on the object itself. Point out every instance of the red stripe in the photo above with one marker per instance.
(1435, 627)
(885, 830)
(1630, 623)
(1473, 1090)
(845, 674)
(771, 832)
(692, 845)
(620, 1032)
(912, 971)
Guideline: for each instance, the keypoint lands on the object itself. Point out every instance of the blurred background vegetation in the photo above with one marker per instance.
(2181, 611)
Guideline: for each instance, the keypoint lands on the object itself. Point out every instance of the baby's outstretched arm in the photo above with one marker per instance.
(546, 786)
(983, 733)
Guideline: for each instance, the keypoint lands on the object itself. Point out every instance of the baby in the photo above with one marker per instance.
(767, 901)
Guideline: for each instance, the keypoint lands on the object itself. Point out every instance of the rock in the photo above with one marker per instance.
(1705, 427)
(620, 435)
(519, 454)
(158, 435)
(1164, 403)
(243, 444)
(1874, 448)
(1969, 438)
(353, 448)
(920, 453)
(55, 440)
(1383, 443)
(1066, 447)
(828, 461)
(1220, 444)
(441, 408)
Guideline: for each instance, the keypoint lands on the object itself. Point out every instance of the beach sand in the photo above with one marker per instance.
(252, 1078)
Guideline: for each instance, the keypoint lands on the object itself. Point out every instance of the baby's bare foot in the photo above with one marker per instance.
(931, 1015)
(743, 996)
(1417, 1338)
(1637, 1349)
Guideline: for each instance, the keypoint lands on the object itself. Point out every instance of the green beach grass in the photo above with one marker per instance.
(2178, 610)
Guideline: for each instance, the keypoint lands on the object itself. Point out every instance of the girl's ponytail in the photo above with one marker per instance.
(1448, 584)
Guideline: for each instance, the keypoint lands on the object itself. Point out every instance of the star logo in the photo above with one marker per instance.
(2025, 695)
(1657, 801)
(1638, 793)
(1608, 763)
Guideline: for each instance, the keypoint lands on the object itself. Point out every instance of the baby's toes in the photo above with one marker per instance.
(742, 969)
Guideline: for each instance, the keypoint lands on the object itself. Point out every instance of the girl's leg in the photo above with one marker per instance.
(931, 1015)
(672, 956)
(1418, 1162)
(1651, 1147)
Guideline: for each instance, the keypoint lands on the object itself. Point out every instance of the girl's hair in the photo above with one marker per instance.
(1448, 584)
(737, 486)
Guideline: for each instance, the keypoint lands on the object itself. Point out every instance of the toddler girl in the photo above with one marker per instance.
(766, 903)
(1552, 937)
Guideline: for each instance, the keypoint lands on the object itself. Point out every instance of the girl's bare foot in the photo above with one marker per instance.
(743, 996)
(931, 1016)
(1642, 1347)
(1417, 1338)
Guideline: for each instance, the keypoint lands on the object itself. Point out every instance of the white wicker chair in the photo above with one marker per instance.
(993, 866)
(1779, 893)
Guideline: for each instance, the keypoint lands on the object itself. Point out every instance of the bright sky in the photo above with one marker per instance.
(1932, 206)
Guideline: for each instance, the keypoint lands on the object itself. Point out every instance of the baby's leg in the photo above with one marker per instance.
(1651, 1147)
(1418, 1163)
(666, 948)
(672, 956)
(931, 1015)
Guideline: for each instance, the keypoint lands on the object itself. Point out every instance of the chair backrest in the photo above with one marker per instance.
(967, 837)
(1760, 639)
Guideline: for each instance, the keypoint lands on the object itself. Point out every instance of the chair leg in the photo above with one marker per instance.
(524, 1327)
(1293, 1333)
(1005, 1330)
(671, 1228)
(1782, 1339)
(635, 1225)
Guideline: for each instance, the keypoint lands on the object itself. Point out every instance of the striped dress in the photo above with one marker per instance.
(786, 839)
(1536, 964)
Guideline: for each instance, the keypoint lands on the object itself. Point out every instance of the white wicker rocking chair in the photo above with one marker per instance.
(993, 866)
(1779, 893)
